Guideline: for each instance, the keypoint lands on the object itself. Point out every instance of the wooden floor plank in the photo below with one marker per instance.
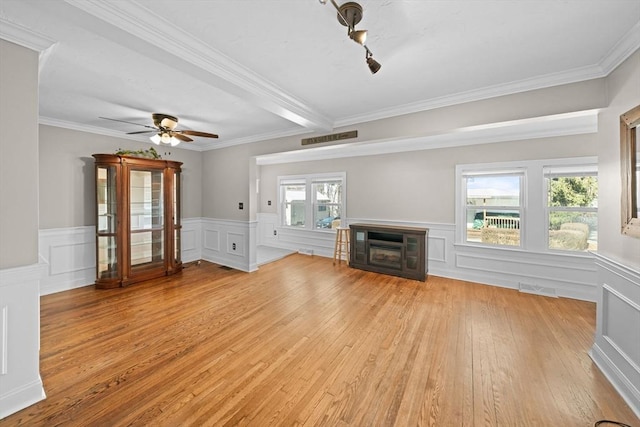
(304, 342)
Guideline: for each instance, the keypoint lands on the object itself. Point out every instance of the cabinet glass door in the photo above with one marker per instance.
(412, 252)
(107, 210)
(359, 254)
(146, 219)
(176, 217)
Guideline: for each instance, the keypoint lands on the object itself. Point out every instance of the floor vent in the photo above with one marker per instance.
(537, 290)
(224, 267)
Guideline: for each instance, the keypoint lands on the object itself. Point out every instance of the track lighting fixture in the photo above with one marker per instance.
(349, 14)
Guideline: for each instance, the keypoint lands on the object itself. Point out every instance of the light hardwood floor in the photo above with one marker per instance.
(303, 342)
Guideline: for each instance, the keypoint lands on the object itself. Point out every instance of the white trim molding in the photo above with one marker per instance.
(575, 123)
(616, 349)
(69, 255)
(228, 243)
(20, 382)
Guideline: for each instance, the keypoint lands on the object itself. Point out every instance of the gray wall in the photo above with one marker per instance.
(420, 185)
(18, 155)
(67, 186)
(404, 186)
(623, 87)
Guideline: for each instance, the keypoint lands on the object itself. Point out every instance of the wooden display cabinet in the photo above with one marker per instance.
(137, 219)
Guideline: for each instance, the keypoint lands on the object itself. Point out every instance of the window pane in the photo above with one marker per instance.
(328, 203)
(294, 197)
(497, 190)
(572, 230)
(573, 219)
(498, 227)
(573, 191)
(493, 209)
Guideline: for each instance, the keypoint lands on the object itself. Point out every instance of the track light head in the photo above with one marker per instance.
(374, 66)
(358, 36)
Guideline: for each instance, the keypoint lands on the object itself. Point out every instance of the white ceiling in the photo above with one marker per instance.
(250, 70)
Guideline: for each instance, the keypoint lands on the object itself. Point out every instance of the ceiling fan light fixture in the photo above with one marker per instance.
(155, 139)
(174, 141)
(168, 123)
(165, 138)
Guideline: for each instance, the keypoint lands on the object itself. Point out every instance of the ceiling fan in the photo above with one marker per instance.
(164, 127)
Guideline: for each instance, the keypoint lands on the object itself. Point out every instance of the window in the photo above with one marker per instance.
(493, 207)
(312, 202)
(572, 208)
(534, 205)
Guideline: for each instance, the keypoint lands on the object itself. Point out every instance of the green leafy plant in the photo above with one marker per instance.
(151, 153)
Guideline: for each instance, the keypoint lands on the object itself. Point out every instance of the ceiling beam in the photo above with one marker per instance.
(204, 62)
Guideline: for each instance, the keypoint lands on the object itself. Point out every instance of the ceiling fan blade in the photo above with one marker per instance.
(124, 121)
(182, 137)
(140, 131)
(197, 133)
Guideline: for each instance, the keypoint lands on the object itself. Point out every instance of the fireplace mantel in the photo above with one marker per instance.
(399, 251)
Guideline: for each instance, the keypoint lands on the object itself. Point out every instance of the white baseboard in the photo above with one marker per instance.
(620, 382)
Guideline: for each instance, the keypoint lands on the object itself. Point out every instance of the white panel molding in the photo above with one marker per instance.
(191, 239)
(4, 339)
(211, 239)
(234, 231)
(235, 246)
(70, 257)
(616, 349)
(566, 275)
(69, 260)
(20, 382)
(267, 229)
(438, 248)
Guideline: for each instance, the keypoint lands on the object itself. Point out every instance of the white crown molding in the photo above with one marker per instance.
(625, 47)
(23, 36)
(576, 123)
(48, 121)
(202, 146)
(143, 23)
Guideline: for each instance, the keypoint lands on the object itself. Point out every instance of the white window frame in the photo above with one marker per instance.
(310, 200)
(534, 220)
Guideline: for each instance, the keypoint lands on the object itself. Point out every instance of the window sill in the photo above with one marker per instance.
(483, 248)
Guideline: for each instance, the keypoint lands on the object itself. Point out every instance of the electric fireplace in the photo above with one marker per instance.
(399, 251)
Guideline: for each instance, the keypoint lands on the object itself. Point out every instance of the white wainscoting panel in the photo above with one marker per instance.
(616, 349)
(562, 275)
(216, 231)
(20, 382)
(322, 243)
(191, 239)
(70, 256)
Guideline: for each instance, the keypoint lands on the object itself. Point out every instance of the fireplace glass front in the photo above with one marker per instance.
(385, 255)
